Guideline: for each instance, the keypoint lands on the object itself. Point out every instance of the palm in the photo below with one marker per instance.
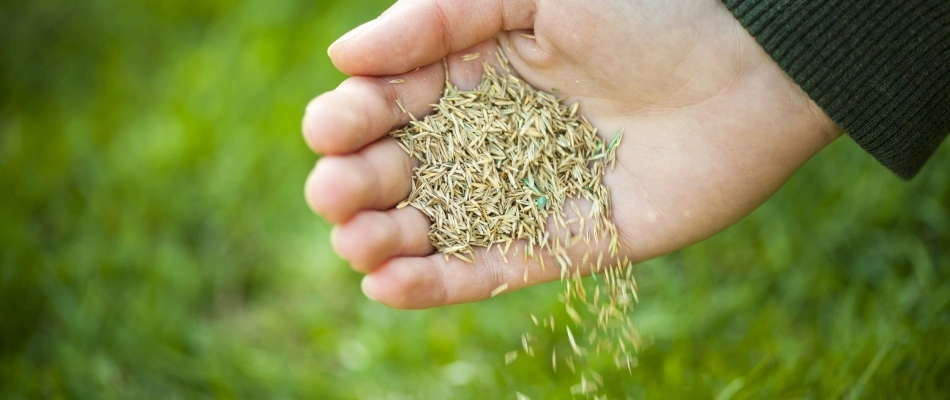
(712, 126)
(698, 99)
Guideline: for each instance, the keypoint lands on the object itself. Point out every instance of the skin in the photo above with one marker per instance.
(713, 127)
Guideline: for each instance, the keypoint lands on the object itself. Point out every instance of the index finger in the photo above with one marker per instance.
(363, 109)
(413, 33)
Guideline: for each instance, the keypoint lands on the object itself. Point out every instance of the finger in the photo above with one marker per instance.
(413, 33)
(432, 281)
(375, 178)
(423, 282)
(363, 109)
(372, 237)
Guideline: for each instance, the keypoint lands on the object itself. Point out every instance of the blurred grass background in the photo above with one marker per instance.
(155, 242)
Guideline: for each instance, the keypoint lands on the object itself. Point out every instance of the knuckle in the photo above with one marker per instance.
(444, 26)
(497, 273)
(368, 181)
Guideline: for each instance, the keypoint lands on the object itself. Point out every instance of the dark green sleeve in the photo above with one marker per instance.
(879, 69)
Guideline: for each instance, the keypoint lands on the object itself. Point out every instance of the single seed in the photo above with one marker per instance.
(499, 290)
(511, 356)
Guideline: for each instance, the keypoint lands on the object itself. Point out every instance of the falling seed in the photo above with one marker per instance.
(499, 290)
(572, 313)
(597, 377)
(396, 81)
(528, 36)
(510, 357)
(574, 346)
(470, 57)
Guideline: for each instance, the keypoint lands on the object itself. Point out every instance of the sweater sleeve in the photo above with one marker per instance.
(879, 69)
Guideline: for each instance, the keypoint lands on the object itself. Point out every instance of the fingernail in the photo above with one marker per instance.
(363, 288)
(349, 35)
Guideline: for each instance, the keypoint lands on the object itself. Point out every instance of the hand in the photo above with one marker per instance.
(713, 126)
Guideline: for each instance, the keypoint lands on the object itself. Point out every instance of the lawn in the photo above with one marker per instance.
(156, 244)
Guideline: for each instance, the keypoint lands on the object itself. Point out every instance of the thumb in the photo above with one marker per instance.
(415, 33)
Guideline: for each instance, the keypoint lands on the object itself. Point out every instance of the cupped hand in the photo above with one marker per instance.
(713, 126)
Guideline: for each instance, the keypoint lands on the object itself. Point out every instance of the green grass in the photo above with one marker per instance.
(155, 242)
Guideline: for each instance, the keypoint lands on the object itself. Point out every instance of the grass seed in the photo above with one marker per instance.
(495, 164)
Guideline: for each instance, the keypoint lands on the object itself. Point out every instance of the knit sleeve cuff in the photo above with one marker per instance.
(879, 69)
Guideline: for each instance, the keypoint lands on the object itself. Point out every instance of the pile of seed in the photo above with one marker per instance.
(497, 164)
(497, 161)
